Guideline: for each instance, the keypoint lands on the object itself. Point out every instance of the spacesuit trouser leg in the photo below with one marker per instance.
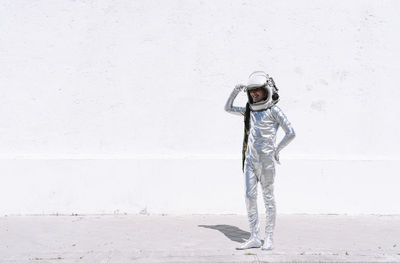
(267, 185)
(251, 181)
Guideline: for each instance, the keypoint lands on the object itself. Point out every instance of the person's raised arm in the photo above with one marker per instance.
(229, 103)
(286, 126)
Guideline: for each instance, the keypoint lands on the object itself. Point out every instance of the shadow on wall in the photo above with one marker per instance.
(232, 232)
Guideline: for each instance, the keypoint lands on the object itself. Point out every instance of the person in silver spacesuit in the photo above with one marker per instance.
(262, 120)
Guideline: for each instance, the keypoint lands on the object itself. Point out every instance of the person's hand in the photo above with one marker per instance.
(276, 156)
(239, 87)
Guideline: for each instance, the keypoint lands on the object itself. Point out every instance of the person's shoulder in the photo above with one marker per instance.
(275, 109)
(277, 112)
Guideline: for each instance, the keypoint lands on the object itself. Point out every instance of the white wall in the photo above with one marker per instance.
(117, 106)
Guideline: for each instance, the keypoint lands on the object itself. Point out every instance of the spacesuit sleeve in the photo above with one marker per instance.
(286, 126)
(229, 104)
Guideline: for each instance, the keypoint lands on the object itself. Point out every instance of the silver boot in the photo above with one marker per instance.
(252, 242)
(268, 242)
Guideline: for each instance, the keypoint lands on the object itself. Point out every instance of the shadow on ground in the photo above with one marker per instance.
(232, 232)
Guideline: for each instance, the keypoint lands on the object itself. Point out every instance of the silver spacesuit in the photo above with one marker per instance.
(261, 153)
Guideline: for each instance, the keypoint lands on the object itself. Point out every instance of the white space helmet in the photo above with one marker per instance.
(261, 79)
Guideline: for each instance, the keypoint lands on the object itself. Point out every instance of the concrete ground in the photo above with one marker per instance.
(196, 238)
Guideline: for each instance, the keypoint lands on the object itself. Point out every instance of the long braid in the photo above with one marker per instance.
(246, 133)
